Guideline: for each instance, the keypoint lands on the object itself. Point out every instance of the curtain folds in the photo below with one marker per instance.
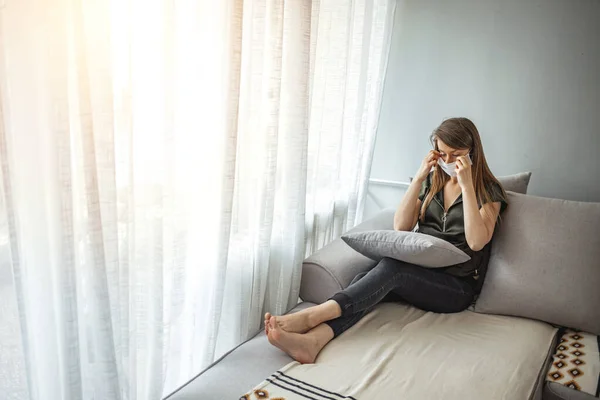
(165, 167)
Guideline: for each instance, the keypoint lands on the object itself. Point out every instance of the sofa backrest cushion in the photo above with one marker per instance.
(545, 263)
(516, 183)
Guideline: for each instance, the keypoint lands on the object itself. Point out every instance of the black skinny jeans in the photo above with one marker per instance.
(392, 280)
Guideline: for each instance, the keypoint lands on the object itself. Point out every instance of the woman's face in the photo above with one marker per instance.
(448, 154)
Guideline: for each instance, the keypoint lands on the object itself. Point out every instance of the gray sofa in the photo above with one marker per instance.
(544, 265)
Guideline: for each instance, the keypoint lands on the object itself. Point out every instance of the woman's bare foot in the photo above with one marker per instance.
(298, 322)
(301, 347)
(305, 320)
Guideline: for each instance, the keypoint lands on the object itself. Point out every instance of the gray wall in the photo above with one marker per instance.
(527, 72)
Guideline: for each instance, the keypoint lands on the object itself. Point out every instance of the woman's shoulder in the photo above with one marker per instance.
(497, 194)
(425, 185)
(496, 189)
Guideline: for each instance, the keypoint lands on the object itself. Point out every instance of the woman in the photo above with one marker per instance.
(459, 201)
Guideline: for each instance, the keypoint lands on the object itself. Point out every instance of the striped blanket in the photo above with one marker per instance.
(400, 352)
(280, 386)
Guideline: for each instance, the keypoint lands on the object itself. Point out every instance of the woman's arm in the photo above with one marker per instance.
(407, 214)
(479, 223)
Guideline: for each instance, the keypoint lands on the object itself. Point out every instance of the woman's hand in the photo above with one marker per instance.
(428, 162)
(463, 172)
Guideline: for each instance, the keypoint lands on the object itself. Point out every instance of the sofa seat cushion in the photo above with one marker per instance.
(575, 369)
(237, 370)
(398, 351)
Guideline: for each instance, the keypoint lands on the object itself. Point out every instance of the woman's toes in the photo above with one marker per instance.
(267, 318)
(296, 345)
(274, 334)
(273, 325)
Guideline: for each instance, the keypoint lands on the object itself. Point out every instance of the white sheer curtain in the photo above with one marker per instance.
(349, 49)
(165, 167)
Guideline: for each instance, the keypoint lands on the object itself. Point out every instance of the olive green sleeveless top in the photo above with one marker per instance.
(450, 226)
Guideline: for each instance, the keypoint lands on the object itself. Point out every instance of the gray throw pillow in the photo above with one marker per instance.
(412, 247)
(515, 183)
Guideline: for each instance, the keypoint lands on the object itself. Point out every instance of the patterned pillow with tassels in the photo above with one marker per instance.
(576, 362)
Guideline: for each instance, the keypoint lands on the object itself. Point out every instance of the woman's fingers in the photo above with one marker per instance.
(428, 162)
(432, 155)
(462, 163)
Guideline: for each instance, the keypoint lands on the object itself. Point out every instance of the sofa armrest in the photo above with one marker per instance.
(333, 267)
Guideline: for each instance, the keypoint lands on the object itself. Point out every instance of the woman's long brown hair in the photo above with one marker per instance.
(461, 134)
